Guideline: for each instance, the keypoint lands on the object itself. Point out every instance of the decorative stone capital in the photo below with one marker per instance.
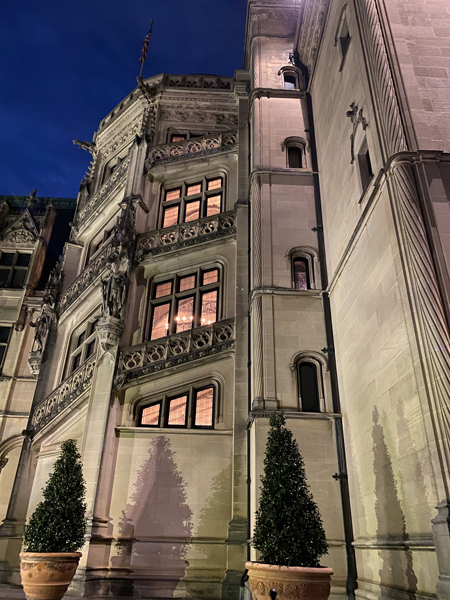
(109, 330)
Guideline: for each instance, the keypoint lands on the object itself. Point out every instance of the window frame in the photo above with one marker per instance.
(5, 345)
(343, 33)
(76, 349)
(365, 168)
(320, 363)
(14, 267)
(183, 199)
(298, 143)
(175, 295)
(191, 393)
(311, 258)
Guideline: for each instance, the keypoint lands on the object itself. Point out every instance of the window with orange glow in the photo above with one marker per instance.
(193, 200)
(184, 302)
(194, 407)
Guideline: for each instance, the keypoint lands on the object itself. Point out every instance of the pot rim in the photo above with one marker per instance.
(258, 566)
(50, 555)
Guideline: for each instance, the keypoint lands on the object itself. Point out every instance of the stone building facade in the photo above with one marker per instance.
(275, 240)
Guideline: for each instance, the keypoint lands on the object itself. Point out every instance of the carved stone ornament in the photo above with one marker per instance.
(356, 117)
(108, 333)
(20, 236)
(46, 317)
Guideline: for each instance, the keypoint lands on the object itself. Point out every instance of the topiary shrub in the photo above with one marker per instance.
(59, 521)
(288, 529)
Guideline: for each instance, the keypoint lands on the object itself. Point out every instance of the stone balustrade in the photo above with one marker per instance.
(192, 148)
(64, 395)
(89, 275)
(186, 234)
(175, 349)
(113, 181)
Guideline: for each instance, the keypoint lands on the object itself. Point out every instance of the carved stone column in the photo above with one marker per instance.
(109, 330)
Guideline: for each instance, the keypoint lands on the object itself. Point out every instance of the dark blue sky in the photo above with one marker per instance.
(65, 64)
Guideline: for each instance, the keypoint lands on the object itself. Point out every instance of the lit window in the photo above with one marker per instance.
(184, 302)
(178, 137)
(192, 201)
(5, 333)
(191, 408)
(301, 273)
(83, 346)
(13, 269)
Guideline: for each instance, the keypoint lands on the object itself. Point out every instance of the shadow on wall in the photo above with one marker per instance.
(210, 556)
(156, 527)
(396, 563)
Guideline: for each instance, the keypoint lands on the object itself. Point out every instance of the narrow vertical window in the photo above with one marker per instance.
(309, 388)
(160, 320)
(344, 38)
(364, 166)
(177, 411)
(204, 407)
(294, 157)
(289, 82)
(185, 314)
(301, 274)
(150, 415)
(5, 332)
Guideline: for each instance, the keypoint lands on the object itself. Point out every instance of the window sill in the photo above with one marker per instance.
(173, 430)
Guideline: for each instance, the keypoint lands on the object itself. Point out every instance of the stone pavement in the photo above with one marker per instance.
(15, 592)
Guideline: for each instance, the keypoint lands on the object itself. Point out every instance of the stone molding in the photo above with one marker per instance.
(209, 82)
(311, 30)
(89, 275)
(116, 178)
(193, 116)
(65, 394)
(108, 330)
(187, 346)
(185, 235)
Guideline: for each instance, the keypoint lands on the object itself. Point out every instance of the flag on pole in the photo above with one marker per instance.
(145, 45)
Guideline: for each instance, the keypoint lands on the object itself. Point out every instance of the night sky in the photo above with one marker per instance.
(64, 65)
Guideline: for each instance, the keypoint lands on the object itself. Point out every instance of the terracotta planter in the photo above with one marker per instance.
(47, 575)
(291, 583)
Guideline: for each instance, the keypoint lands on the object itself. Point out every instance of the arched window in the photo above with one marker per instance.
(294, 157)
(308, 387)
(301, 273)
(295, 152)
(290, 81)
(310, 368)
(303, 260)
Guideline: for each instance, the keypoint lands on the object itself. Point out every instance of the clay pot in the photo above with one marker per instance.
(291, 583)
(47, 575)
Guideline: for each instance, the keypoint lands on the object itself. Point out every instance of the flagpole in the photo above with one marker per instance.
(144, 51)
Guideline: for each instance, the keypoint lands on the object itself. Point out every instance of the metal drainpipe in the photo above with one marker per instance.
(249, 347)
(340, 447)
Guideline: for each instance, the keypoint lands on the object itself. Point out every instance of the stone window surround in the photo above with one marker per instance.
(340, 35)
(174, 276)
(14, 267)
(167, 187)
(190, 391)
(293, 72)
(295, 141)
(74, 349)
(321, 363)
(313, 259)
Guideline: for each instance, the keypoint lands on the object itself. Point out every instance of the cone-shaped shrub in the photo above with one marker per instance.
(59, 522)
(288, 529)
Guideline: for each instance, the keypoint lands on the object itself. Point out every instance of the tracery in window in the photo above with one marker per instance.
(82, 346)
(184, 301)
(191, 408)
(192, 201)
(13, 269)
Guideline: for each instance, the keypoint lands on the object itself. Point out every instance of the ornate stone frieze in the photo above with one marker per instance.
(47, 316)
(176, 349)
(193, 148)
(186, 234)
(114, 137)
(21, 228)
(89, 276)
(108, 333)
(115, 179)
(311, 30)
(64, 395)
(192, 116)
(199, 81)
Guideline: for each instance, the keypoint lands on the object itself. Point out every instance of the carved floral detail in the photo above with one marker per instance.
(186, 234)
(174, 350)
(64, 395)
